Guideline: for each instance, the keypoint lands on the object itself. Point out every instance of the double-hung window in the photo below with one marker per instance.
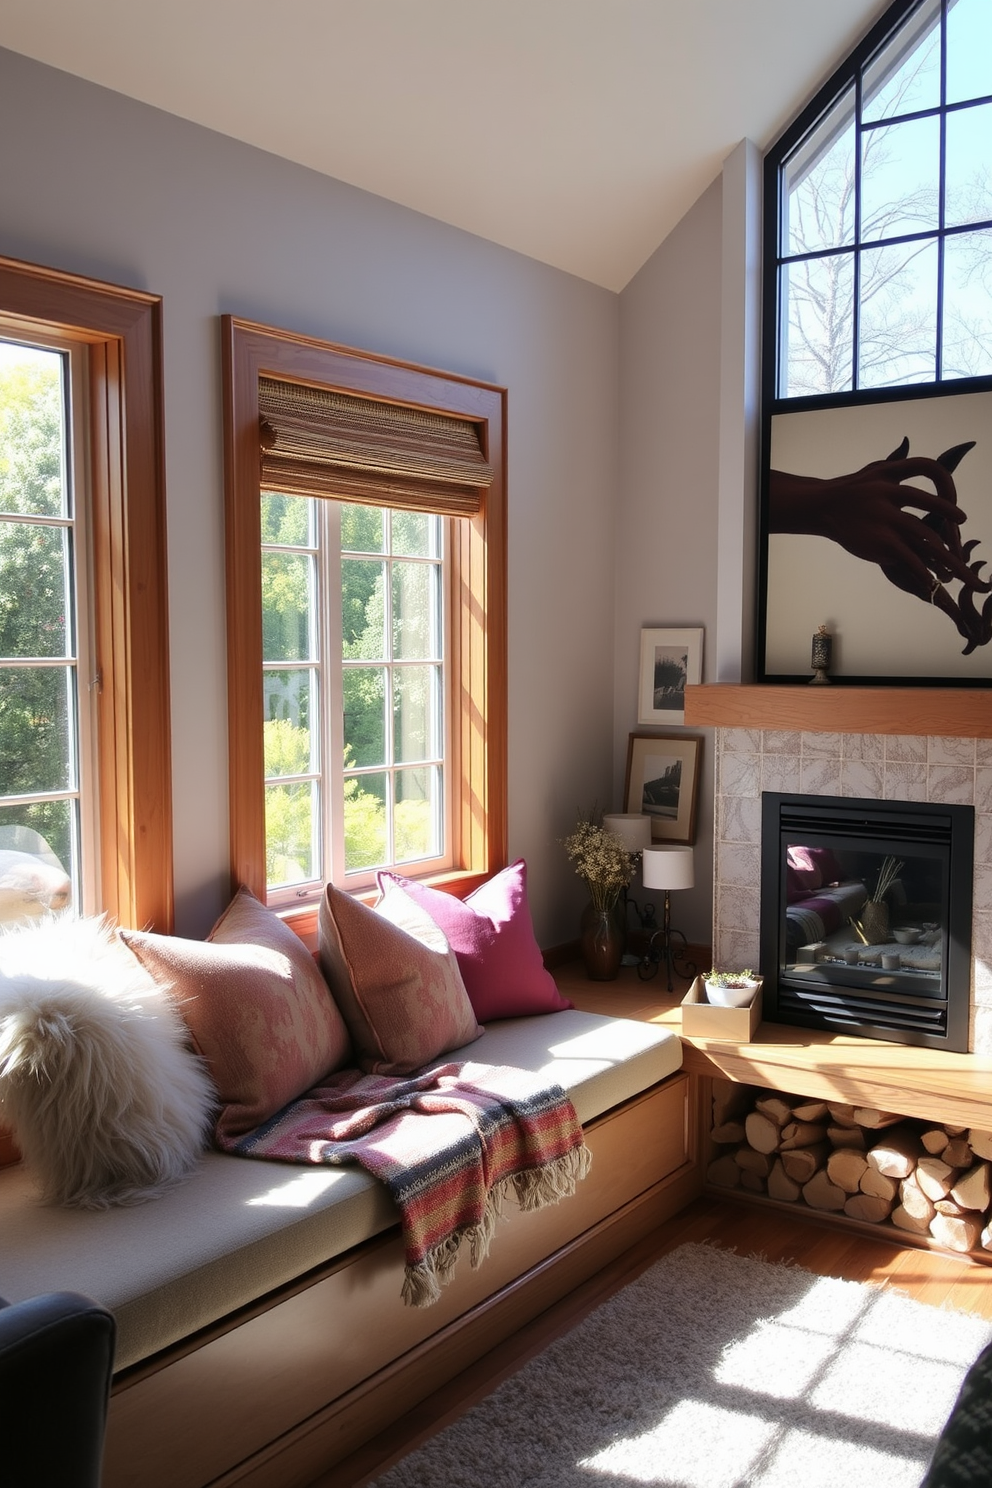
(366, 619)
(85, 788)
(355, 659)
(48, 821)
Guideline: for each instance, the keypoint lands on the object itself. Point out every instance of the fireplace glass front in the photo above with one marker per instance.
(866, 917)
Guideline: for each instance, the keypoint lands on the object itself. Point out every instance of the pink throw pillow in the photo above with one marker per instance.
(397, 984)
(257, 1006)
(492, 935)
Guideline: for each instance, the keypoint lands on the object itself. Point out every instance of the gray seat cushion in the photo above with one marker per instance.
(240, 1227)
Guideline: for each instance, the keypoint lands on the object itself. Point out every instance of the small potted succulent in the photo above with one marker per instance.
(731, 988)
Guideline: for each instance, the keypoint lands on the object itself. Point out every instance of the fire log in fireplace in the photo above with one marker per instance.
(866, 917)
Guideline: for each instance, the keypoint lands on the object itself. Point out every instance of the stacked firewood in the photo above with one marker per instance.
(870, 1165)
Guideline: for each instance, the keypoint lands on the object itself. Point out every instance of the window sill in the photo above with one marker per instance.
(302, 919)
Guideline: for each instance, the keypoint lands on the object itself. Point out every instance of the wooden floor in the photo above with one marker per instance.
(937, 1279)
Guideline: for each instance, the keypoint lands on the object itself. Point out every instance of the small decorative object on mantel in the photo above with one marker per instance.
(602, 860)
(820, 656)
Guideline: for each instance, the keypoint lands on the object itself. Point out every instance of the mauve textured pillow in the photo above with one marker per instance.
(257, 1006)
(492, 935)
(396, 981)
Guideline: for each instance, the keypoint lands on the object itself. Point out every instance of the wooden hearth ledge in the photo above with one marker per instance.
(963, 712)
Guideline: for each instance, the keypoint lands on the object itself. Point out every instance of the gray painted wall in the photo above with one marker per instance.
(666, 532)
(95, 183)
(613, 428)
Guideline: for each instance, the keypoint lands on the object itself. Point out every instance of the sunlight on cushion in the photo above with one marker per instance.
(883, 1384)
(687, 1436)
(297, 1193)
(812, 1460)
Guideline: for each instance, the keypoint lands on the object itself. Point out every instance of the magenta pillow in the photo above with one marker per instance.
(492, 936)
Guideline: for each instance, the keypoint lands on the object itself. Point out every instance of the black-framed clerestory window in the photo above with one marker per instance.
(878, 213)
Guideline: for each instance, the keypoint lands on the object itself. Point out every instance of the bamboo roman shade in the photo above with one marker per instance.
(317, 442)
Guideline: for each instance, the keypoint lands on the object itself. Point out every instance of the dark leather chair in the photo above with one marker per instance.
(56, 1359)
(963, 1458)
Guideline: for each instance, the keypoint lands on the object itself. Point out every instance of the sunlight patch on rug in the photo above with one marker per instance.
(714, 1370)
(684, 1436)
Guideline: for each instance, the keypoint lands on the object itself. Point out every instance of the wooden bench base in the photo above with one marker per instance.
(280, 1392)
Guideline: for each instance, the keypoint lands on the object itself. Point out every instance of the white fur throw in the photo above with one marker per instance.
(107, 1103)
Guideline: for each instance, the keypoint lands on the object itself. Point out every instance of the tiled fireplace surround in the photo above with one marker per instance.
(891, 767)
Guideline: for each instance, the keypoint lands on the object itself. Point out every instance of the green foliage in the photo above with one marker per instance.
(34, 737)
(286, 602)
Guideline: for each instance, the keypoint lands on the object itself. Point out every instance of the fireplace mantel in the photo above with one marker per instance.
(945, 711)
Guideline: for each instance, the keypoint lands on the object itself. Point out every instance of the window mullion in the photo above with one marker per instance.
(331, 689)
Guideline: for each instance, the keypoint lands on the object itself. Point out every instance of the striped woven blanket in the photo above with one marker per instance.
(449, 1144)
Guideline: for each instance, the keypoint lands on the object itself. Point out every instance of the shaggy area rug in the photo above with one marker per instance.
(715, 1370)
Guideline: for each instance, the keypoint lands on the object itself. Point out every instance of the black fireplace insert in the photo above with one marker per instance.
(866, 917)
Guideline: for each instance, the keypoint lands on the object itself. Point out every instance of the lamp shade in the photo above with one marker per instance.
(632, 827)
(667, 868)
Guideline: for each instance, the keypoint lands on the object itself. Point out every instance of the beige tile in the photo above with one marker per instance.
(740, 774)
(739, 819)
(738, 908)
(782, 741)
(981, 936)
(983, 888)
(905, 747)
(905, 781)
(983, 837)
(983, 788)
(864, 778)
(739, 863)
(869, 747)
(821, 746)
(821, 777)
(941, 751)
(741, 741)
(981, 1037)
(954, 785)
(736, 948)
(780, 772)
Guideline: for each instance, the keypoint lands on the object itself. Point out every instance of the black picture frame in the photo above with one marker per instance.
(888, 622)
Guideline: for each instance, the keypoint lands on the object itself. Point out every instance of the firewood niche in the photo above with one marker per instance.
(929, 1181)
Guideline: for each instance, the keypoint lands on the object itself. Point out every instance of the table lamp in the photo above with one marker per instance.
(666, 868)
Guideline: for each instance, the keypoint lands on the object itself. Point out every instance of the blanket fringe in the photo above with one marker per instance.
(533, 1189)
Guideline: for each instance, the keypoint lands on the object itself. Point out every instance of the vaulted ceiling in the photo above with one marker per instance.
(575, 131)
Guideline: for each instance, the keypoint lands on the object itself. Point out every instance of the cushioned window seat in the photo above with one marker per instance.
(239, 1229)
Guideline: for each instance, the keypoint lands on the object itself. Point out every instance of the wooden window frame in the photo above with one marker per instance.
(121, 330)
(479, 619)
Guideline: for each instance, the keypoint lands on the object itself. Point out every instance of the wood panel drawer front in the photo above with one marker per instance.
(211, 1408)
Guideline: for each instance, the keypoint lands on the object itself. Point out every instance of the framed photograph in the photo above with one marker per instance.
(662, 781)
(861, 533)
(669, 659)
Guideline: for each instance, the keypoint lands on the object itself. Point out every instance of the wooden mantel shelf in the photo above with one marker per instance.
(948, 711)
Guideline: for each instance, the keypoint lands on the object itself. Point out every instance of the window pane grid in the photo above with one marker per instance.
(40, 723)
(397, 814)
(904, 191)
(374, 679)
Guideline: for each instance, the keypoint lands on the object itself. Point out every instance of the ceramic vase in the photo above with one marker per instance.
(601, 941)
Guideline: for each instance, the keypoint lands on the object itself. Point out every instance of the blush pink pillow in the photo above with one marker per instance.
(492, 936)
(396, 981)
(257, 1006)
